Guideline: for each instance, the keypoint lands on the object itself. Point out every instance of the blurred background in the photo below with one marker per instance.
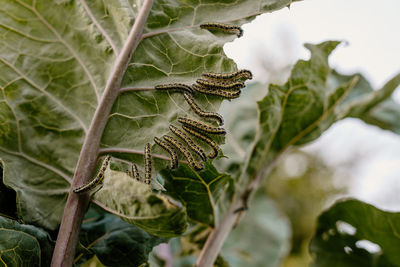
(351, 159)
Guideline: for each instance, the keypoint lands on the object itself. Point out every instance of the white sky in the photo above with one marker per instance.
(372, 31)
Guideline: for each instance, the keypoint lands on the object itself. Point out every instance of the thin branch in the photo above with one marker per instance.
(215, 240)
(76, 205)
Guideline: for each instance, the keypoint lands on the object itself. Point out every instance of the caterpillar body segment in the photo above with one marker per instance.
(174, 86)
(229, 28)
(135, 173)
(189, 157)
(228, 94)
(189, 141)
(214, 146)
(98, 180)
(147, 163)
(233, 76)
(204, 114)
(220, 85)
(170, 150)
(201, 126)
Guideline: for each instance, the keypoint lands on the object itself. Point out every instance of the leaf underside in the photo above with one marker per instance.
(55, 59)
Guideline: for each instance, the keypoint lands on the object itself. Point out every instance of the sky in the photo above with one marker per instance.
(370, 31)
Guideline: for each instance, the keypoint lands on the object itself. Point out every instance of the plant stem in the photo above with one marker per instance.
(76, 205)
(216, 239)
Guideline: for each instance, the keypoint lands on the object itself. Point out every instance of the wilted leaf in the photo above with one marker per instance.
(135, 203)
(203, 193)
(353, 233)
(115, 242)
(261, 239)
(24, 245)
(55, 58)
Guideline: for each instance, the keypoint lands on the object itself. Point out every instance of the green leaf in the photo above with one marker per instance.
(203, 193)
(375, 107)
(344, 230)
(135, 203)
(55, 59)
(298, 111)
(115, 242)
(24, 245)
(261, 239)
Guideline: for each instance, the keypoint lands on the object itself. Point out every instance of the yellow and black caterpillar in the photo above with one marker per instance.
(174, 86)
(228, 94)
(229, 28)
(201, 126)
(189, 157)
(98, 180)
(189, 141)
(204, 114)
(214, 146)
(233, 76)
(170, 150)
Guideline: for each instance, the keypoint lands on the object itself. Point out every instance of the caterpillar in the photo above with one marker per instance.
(98, 180)
(222, 93)
(189, 157)
(234, 76)
(201, 126)
(204, 114)
(147, 163)
(221, 85)
(135, 173)
(214, 146)
(229, 28)
(170, 150)
(174, 86)
(189, 141)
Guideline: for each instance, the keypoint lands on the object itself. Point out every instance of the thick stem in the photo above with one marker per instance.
(76, 205)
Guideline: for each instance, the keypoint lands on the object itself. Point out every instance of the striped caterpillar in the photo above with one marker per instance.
(233, 76)
(98, 180)
(221, 85)
(189, 141)
(147, 163)
(189, 157)
(214, 146)
(229, 28)
(174, 86)
(170, 150)
(204, 114)
(222, 93)
(200, 126)
(135, 173)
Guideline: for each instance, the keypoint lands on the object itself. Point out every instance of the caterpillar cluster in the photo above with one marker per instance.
(197, 129)
(226, 85)
(228, 28)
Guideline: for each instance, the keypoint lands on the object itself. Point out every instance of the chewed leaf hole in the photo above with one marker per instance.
(345, 228)
(369, 246)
